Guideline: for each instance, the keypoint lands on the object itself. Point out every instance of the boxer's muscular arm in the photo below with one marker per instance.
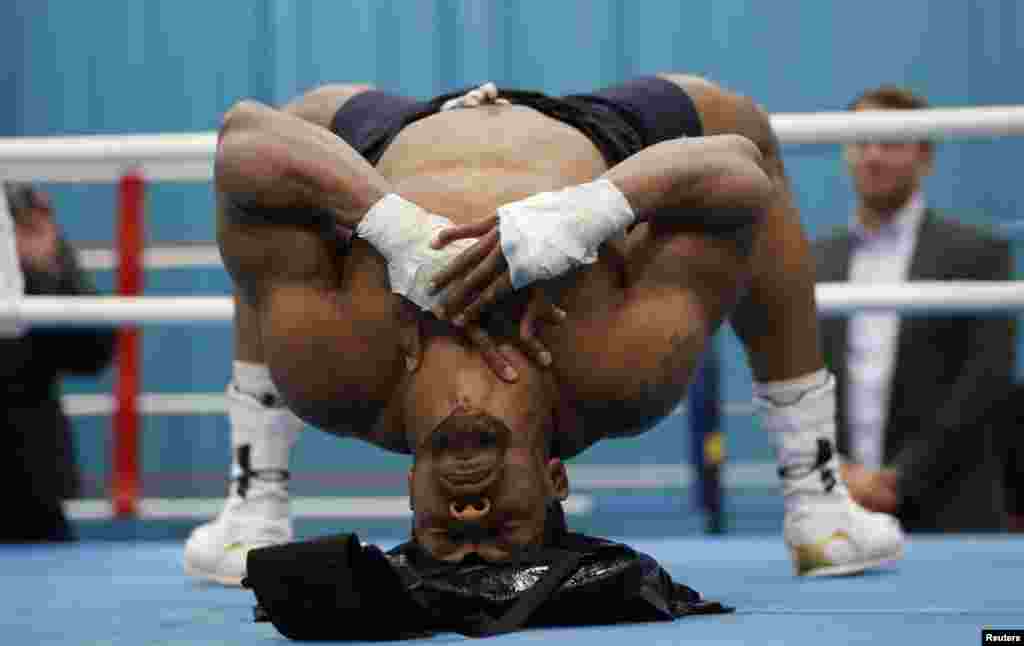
(270, 158)
(702, 184)
(282, 180)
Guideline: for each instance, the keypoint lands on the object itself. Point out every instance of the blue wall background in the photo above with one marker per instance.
(105, 67)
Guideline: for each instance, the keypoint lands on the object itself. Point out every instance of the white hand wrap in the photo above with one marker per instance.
(402, 233)
(548, 234)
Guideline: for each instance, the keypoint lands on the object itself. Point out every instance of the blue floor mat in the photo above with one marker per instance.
(945, 591)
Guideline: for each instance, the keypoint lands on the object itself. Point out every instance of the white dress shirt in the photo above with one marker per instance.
(879, 257)
(12, 283)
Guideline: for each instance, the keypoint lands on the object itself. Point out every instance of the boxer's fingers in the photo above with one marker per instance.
(460, 231)
(466, 261)
(497, 361)
(539, 310)
(464, 293)
(494, 291)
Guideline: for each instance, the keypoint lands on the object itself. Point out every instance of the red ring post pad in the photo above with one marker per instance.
(130, 244)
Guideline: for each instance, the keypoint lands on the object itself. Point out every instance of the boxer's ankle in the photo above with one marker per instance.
(263, 432)
(800, 416)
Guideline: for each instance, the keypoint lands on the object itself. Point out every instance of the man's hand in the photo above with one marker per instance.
(38, 242)
(413, 258)
(483, 268)
(540, 311)
(538, 238)
(873, 490)
(404, 234)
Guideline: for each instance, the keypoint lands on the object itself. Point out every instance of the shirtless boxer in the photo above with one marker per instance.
(647, 213)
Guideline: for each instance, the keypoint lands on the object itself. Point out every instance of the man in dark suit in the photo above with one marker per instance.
(917, 395)
(38, 463)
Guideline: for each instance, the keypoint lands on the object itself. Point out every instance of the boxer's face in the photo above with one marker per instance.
(886, 174)
(472, 472)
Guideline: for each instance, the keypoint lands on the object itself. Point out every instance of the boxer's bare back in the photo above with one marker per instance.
(637, 319)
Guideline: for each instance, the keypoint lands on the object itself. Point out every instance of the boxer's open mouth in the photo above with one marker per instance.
(469, 482)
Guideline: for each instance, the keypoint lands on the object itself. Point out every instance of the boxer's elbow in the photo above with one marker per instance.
(248, 154)
(737, 145)
(732, 177)
(242, 115)
(741, 181)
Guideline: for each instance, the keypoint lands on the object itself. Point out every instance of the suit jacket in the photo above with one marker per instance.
(38, 468)
(950, 374)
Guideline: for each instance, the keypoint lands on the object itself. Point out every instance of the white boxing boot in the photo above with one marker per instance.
(826, 532)
(257, 511)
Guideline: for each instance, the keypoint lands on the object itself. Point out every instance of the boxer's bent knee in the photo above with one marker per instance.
(632, 368)
(331, 361)
(710, 271)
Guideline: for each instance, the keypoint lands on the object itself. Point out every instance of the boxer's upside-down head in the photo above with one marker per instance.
(484, 472)
(477, 487)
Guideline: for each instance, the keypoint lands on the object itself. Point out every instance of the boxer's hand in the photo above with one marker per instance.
(498, 361)
(538, 238)
(477, 278)
(404, 234)
(540, 311)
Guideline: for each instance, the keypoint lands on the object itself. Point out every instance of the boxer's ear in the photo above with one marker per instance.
(409, 335)
(558, 478)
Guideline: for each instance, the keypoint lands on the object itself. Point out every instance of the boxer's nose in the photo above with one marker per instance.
(470, 509)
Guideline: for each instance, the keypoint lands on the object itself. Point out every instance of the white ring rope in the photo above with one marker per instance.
(117, 310)
(835, 299)
(899, 125)
(105, 158)
(188, 157)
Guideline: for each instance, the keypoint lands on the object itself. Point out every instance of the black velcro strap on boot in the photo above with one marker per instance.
(243, 455)
(824, 454)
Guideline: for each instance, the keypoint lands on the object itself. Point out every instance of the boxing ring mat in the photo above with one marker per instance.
(945, 591)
